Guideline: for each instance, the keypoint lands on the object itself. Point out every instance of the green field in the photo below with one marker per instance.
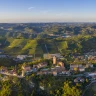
(30, 46)
(52, 48)
(62, 45)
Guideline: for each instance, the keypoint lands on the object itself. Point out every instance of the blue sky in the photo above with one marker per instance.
(47, 10)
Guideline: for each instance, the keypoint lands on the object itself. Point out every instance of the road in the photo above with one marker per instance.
(88, 87)
(46, 48)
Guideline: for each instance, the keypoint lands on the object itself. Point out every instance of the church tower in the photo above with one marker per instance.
(54, 60)
(23, 73)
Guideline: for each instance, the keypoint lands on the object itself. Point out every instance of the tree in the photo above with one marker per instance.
(6, 90)
(69, 90)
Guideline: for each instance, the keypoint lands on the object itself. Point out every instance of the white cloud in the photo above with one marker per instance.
(31, 8)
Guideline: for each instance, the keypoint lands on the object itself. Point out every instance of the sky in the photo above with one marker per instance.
(24, 11)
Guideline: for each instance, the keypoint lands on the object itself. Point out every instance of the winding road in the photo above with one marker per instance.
(88, 86)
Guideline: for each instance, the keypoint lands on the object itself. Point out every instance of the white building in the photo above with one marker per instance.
(21, 57)
(50, 56)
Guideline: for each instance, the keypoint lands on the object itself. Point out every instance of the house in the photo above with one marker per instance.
(81, 69)
(42, 88)
(30, 56)
(42, 72)
(27, 68)
(40, 65)
(39, 73)
(79, 79)
(21, 57)
(66, 72)
(66, 36)
(13, 72)
(74, 67)
(61, 64)
(89, 65)
(59, 69)
(34, 69)
(54, 73)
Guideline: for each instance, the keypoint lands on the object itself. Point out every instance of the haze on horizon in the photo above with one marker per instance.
(15, 11)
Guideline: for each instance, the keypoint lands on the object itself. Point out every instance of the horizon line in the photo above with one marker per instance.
(51, 22)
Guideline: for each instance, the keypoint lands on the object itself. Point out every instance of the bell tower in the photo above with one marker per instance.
(54, 60)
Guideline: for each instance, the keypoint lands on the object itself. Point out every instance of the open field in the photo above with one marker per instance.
(29, 46)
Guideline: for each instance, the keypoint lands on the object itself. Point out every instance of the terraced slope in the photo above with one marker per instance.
(18, 43)
(30, 46)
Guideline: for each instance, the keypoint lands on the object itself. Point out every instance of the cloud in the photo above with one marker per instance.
(31, 8)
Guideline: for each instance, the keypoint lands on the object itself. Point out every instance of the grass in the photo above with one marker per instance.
(18, 43)
(14, 46)
(62, 44)
(30, 46)
(26, 46)
(52, 48)
(39, 52)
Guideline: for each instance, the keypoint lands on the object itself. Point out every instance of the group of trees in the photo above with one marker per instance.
(57, 86)
(77, 44)
(43, 30)
(15, 87)
(70, 90)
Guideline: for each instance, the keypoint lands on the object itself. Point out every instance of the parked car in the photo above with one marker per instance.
(79, 79)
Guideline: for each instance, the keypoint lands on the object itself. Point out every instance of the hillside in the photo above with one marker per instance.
(38, 47)
(29, 46)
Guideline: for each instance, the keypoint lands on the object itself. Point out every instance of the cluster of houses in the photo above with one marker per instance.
(87, 56)
(63, 36)
(42, 68)
(85, 61)
(57, 68)
(4, 70)
(80, 67)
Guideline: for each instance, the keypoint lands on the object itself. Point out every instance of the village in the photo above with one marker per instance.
(57, 68)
